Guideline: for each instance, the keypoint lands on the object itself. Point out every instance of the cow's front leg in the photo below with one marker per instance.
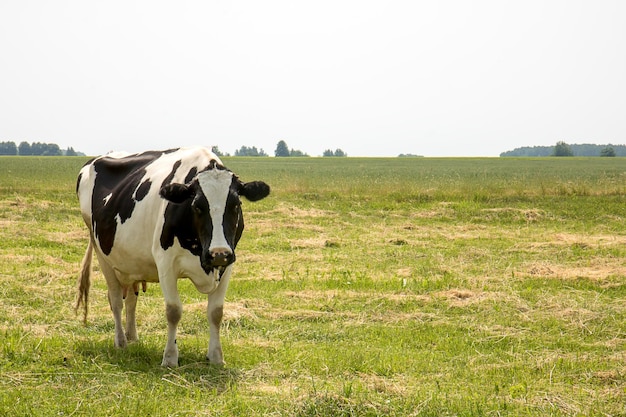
(215, 311)
(215, 355)
(116, 301)
(131, 306)
(173, 313)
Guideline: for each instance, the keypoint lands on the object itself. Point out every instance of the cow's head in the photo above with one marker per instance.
(214, 198)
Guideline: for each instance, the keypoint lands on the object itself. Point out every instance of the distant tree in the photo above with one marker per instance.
(562, 149)
(297, 152)
(530, 151)
(282, 149)
(243, 151)
(246, 151)
(409, 155)
(8, 148)
(608, 151)
(37, 148)
(70, 152)
(45, 149)
(337, 152)
(216, 151)
(24, 149)
(52, 149)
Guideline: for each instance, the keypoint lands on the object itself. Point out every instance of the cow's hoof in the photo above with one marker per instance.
(170, 357)
(131, 337)
(121, 344)
(169, 363)
(219, 362)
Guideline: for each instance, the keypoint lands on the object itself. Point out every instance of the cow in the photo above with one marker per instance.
(159, 216)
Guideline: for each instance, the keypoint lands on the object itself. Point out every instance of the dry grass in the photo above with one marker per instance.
(599, 272)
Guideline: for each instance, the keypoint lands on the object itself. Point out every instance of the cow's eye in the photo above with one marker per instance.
(198, 209)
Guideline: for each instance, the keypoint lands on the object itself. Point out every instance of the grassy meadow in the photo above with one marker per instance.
(363, 287)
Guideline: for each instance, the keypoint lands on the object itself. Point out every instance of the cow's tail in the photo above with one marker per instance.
(84, 281)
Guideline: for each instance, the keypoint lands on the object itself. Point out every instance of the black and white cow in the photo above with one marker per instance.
(159, 216)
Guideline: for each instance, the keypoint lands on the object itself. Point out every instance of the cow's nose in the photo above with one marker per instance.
(221, 256)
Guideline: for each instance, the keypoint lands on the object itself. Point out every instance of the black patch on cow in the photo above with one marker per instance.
(143, 190)
(214, 164)
(170, 176)
(80, 177)
(179, 224)
(178, 220)
(191, 175)
(116, 190)
(237, 213)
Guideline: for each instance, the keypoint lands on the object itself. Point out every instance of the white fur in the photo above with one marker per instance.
(215, 185)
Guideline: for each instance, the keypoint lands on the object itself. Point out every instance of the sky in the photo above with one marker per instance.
(372, 78)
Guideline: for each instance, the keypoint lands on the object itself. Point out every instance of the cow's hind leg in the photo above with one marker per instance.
(116, 301)
(215, 311)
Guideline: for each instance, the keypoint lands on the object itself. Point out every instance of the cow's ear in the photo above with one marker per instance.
(255, 190)
(177, 193)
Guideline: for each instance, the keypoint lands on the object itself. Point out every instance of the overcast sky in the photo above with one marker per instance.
(373, 78)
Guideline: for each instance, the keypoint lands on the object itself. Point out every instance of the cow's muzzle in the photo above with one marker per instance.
(218, 258)
(222, 259)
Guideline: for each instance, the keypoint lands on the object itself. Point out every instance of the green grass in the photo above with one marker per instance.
(363, 287)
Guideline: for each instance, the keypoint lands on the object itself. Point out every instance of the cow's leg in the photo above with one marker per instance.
(215, 309)
(131, 305)
(116, 301)
(173, 312)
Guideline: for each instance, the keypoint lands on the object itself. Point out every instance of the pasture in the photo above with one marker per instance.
(363, 287)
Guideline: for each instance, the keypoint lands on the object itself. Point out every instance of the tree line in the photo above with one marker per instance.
(52, 149)
(282, 150)
(563, 149)
(35, 149)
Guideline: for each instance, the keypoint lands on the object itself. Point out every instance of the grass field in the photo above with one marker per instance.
(363, 287)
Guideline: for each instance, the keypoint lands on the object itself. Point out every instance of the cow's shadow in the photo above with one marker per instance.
(144, 360)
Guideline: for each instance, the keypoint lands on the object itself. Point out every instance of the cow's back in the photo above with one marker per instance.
(120, 202)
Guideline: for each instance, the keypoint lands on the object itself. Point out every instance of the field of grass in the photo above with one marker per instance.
(363, 287)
